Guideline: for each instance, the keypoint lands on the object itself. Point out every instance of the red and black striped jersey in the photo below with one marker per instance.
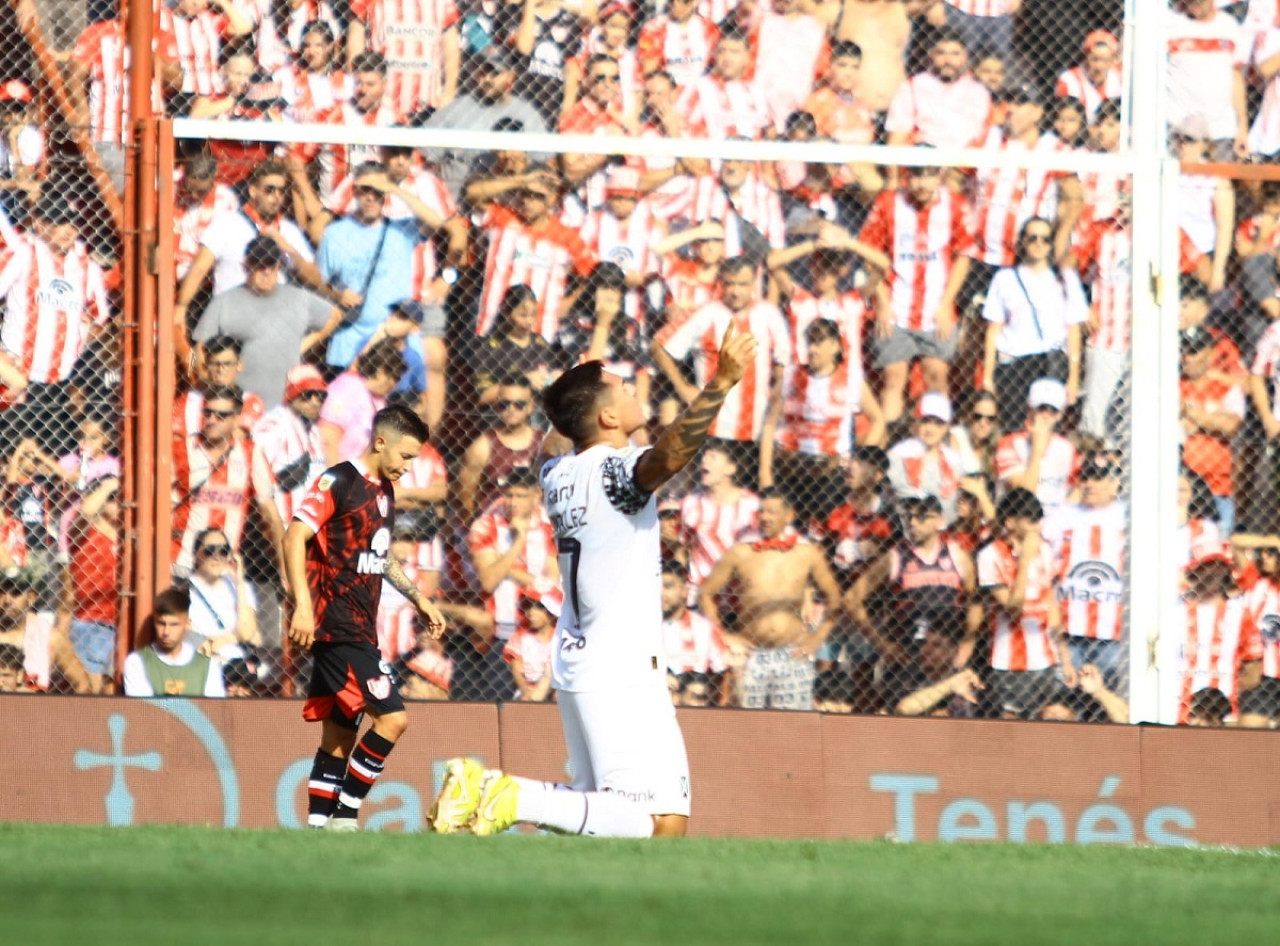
(351, 513)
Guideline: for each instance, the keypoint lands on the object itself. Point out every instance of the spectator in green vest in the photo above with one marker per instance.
(170, 665)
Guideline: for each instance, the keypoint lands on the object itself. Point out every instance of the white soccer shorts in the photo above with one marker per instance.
(628, 742)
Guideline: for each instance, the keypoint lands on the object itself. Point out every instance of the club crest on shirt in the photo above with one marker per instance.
(379, 687)
(325, 481)
(382, 505)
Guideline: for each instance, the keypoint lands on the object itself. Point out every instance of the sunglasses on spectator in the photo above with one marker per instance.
(363, 190)
(219, 415)
(216, 549)
(224, 363)
(274, 188)
(1037, 238)
(503, 405)
(607, 76)
(312, 395)
(986, 417)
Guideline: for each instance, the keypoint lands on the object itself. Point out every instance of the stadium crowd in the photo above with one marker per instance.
(914, 503)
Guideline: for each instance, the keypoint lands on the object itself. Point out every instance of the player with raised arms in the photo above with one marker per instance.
(335, 556)
(626, 752)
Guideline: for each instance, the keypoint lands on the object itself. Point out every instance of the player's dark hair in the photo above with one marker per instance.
(676, 568)
(383, 356)
(572, 400)
(270, 168)
(220, 343)
(400, 419)
(824, 330)
(947, 34)
(224, 392)
(171, 602)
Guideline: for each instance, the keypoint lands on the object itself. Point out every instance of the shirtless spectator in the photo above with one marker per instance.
(715, 516)
(724, 103)
(944, 107)
(917, 316)
(1038, 458)
(1024, 620)
(513, 549)
(881, 29)
(693, 643)
(502, 447)
(1208, 50)
(1098, 77)
(775, 575)
(925, 463)
(420, 43)
(680, 42)
(222, 248)
(930, 581)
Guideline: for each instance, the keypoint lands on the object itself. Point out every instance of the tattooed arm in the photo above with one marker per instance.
(677, 444)
(400, 581)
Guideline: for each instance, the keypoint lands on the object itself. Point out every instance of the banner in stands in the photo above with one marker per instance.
(244, 764)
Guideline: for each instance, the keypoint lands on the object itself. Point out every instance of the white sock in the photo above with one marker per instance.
(598, 814)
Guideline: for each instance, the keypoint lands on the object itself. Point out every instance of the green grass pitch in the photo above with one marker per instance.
(209, 886)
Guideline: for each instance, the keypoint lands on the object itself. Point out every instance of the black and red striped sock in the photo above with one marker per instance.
(366, 763)
(323, 787)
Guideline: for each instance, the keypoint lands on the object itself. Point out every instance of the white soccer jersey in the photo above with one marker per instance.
(1089, 545)
(228, 236)
(609, 634)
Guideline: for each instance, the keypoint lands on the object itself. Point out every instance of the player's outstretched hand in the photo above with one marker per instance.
(435, 620)
(302, 628)
(737, 351)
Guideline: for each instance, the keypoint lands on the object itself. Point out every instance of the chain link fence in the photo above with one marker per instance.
(60, 355)
(928, 402)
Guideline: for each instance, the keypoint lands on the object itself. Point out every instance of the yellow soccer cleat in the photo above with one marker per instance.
(497, 809)
(456, 804)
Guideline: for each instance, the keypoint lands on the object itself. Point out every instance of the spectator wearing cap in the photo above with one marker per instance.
(924, 463)
(421, 45)
(1089, 540)
(289, 439)
(273, 323)
(403, 330)
(944, 106)
(1215, 644)
(1206, 203)
(224, 245)
(1034, 311)
(493, 100)
(1098, 77)
(1038, 458)
(929, 579)
(170, 665)
(1024, 619)
(55, 298)
(530, 649)
(611, 37)
(1208, 50)
(22, 148)
(921, 221)
(861, 529)
(1212, 414)
(513, 548)
(509, 443)
(626, 232)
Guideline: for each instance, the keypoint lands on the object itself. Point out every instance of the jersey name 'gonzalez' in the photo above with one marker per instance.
(610, 629)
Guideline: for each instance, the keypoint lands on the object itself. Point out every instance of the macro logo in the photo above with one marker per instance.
(1092, 582)
(59, 294)
(374, 561)
(124, 758)
(1269, 627)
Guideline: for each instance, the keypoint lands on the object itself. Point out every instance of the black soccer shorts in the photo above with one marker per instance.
(346, 679)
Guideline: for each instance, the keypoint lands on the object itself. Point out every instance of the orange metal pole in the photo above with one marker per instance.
(165, 331)
(143, 241)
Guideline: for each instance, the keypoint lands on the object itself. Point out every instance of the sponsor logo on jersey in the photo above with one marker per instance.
(325, 481)
(374, 561)
(382, 504)
(1092, 582)
(1269, 627)
(379, 687)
